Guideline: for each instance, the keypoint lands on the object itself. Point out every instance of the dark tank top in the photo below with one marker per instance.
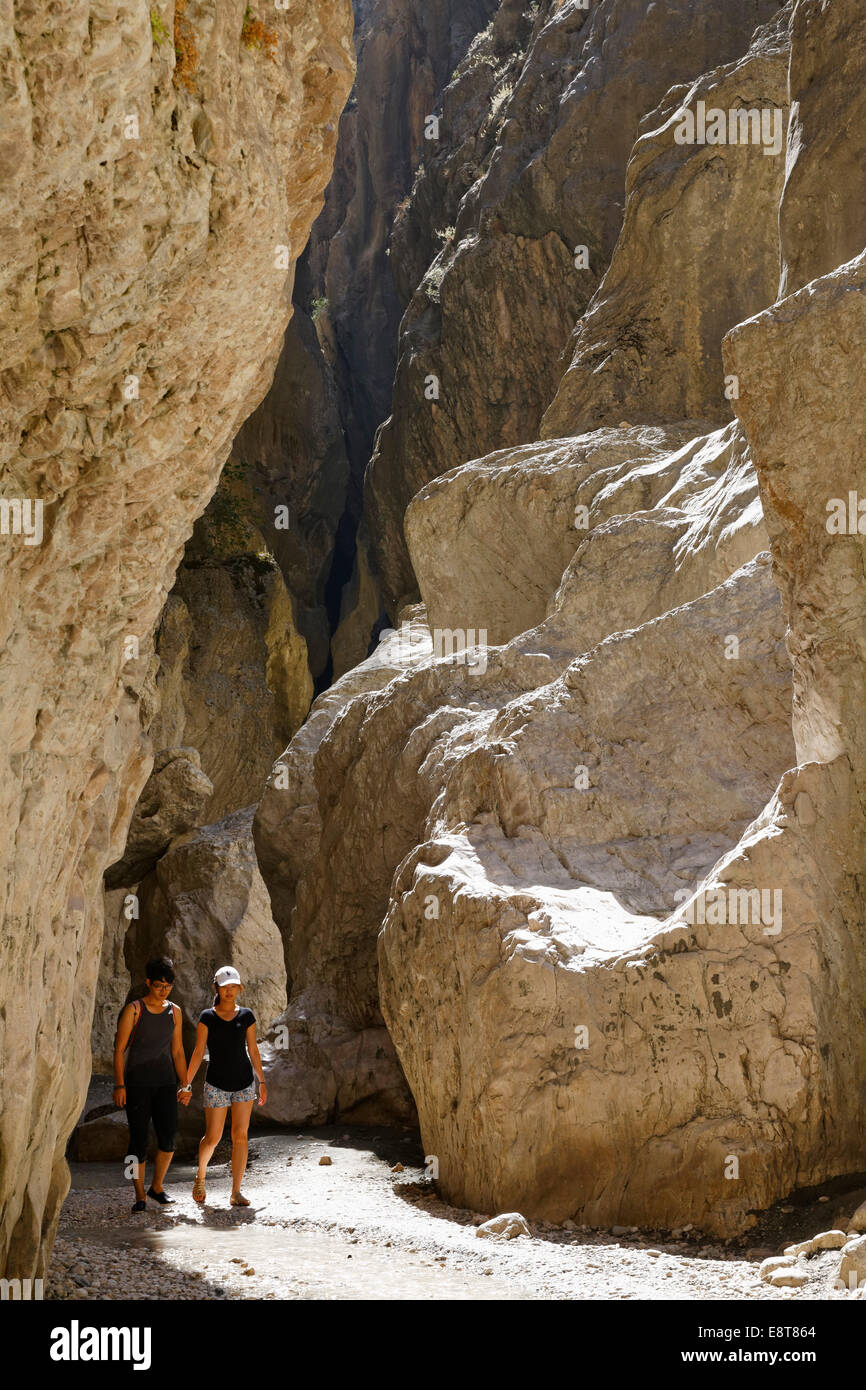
(149, 1061)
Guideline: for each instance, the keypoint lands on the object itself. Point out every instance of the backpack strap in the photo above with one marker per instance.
(140, 1003)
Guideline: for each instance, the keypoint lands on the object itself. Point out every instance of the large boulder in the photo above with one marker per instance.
(204, 906)
(593, 533)
(852, 1270)
(362, 776)
(234, 680)
(173, 801)
(329, 1054)
(557, 1032)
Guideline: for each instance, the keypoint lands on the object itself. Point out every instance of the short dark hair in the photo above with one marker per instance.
(160, 968)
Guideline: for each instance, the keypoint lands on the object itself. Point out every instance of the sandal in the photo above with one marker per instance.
(198, 1192)
(238, 1199)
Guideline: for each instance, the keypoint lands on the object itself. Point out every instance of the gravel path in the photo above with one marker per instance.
(355, 1228)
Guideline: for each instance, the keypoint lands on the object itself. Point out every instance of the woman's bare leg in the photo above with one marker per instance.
(241, 1112)
(214, 1120)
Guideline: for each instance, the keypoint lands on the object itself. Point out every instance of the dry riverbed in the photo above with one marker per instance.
(355, 1228)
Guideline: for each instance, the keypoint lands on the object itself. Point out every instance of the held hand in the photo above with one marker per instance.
(184, 1097)
(263, 1093)
(119, 1096)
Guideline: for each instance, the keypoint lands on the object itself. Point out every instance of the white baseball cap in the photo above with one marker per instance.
(227, 975)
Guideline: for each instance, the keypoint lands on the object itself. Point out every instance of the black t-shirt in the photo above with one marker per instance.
(229, 1067)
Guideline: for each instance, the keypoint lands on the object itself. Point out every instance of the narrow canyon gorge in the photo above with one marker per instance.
(432, 583)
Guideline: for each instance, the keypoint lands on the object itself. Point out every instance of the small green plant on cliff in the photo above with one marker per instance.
(318, 308)
(445, 234)
(500, 97)
(478, 53)
(255, 34)
(158, 31)
(230, 514)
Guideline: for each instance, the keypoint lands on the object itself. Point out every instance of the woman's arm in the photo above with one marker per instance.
(253, 1050)
(197, 1057)
(124, 1028)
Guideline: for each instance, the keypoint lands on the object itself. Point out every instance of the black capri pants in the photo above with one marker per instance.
(146, 1103)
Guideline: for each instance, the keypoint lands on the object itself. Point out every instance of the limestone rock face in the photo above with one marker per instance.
(816, 528)
(112, 989)
(387, 758)
(612, 867)
(773, 994)
(825, 188)
(292, 455)
(587, 531)
(648, 346)
(359, 627)
(407, 50)
(234, 681)
(330, 1053)
(143, 300)
(173, 801)
(550, 874)
(233, 677)
(205, 905)
(495, 311)
(306, 446)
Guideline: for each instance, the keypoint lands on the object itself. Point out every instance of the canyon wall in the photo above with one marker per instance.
(494, 562)
(532, 235)
(568, 870)
(593, 853)
(306, 447)
(161, 170)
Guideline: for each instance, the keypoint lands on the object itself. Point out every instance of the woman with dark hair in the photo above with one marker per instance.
(228, 1031)
(149, 1063)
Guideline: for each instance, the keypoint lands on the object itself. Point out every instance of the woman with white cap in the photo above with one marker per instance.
(228, 1031)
